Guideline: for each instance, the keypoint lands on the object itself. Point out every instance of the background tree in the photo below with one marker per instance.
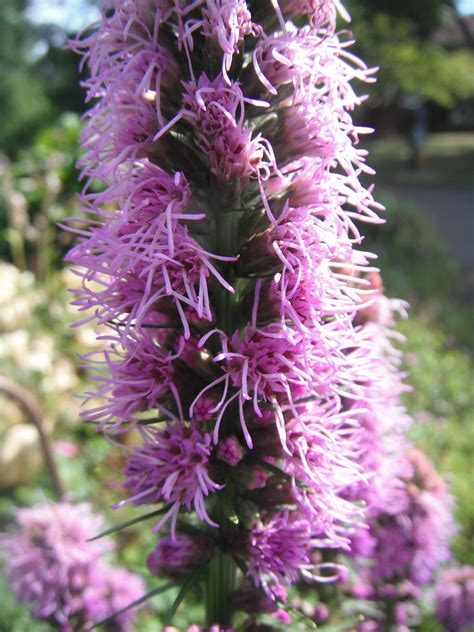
(23, 103)
(38, 77)
(398, 37)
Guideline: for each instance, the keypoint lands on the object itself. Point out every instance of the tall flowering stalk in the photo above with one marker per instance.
(408, 512)
(222, 254)
(405, 542)
(410, 544)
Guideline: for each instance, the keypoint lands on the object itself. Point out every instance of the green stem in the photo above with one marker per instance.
(220, 584)
(227, 245)
(221, 572)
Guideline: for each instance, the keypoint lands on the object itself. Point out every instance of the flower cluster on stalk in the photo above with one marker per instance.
(60, 574)
(454, 597)
(404, 544)
(408, 513)
(223, 252)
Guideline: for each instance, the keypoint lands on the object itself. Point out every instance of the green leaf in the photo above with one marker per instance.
(150, 422)
(340, 627)
(190, 581)
(144, 326)
(137, 602)
(129, 523)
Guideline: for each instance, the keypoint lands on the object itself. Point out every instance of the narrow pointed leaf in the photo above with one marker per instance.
(150, 422)
(143, 326)
(255, 276)
(190, 581)
(134, 604)
(340, 627)
(129, 523)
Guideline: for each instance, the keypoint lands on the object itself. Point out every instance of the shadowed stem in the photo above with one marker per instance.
(32, 408)
(220, 584)
(221, 572)
(227, 225)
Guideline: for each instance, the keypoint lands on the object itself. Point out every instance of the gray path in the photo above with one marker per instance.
(453, 212)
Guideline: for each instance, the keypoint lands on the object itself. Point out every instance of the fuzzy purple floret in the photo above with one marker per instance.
(109, 590)
(177, 557)
(172, 467)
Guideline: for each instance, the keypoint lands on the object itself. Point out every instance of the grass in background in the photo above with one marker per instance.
(450, 160)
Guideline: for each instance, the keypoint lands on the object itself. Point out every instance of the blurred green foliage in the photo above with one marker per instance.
(39, 79)
(396, 37)
(23, 102)
(409, 65)
(423, 15)
(417, 266)
(37, 190)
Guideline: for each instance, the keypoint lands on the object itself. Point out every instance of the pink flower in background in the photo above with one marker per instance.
(455, 599)
(411, 541)
(110, 590)
(57, 571)
(65, 448)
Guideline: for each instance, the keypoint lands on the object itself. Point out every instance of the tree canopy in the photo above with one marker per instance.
(398, 38)
(38, 77)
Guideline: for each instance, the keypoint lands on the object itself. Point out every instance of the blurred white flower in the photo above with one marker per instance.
(15, 345)
(41, 354)
(61, 378)
(18, 296)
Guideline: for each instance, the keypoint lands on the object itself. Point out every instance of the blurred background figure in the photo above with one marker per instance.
(416, 128)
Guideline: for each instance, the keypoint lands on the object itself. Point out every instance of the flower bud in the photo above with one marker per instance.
(176, 558)
(230, 450)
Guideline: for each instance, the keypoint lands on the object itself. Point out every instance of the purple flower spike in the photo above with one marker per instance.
(410, 542)
(249, 344)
